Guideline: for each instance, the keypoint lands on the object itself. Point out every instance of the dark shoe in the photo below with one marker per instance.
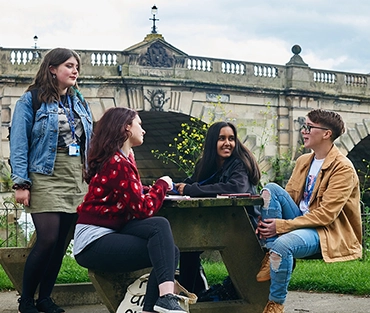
(168, 304)
(219, 292)
(27, 306)
(47, 305)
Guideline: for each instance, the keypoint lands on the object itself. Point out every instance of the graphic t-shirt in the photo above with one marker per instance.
(65, 134)
(310, 184)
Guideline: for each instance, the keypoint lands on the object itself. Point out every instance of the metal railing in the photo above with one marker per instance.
(16, 227)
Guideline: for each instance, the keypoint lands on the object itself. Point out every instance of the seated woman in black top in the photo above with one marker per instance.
(225, 166)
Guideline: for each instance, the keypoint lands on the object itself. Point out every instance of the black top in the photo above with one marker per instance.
(231, 178)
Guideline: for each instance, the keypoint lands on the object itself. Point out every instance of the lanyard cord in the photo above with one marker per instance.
(209, 178)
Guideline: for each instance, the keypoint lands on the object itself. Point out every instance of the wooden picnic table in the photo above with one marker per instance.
(200, 224)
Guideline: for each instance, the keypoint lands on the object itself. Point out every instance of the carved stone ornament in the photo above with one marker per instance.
(157, 99)
(156, 56)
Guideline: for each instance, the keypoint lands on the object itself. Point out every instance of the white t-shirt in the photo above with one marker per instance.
(310, 184)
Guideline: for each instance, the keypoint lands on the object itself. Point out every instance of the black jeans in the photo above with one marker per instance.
(140, 244)
(190, 272)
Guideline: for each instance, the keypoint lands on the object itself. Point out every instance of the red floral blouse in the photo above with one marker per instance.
(115, 195)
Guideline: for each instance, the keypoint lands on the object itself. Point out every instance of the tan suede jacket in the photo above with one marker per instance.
(334, 206)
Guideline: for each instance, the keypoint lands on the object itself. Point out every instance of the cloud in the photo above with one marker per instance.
(333, 34)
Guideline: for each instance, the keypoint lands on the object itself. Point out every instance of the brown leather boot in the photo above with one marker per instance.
(264, 273)
(273, 307)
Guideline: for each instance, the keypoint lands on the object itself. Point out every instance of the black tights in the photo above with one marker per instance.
(45, 259)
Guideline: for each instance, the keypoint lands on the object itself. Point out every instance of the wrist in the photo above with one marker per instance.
(21, 187)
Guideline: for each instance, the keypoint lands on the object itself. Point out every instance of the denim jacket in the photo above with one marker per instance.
(34, 137)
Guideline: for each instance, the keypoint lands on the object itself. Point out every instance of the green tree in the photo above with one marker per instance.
(187, 147)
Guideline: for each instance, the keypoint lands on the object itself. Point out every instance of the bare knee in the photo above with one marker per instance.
(275, 261)
(266, 196)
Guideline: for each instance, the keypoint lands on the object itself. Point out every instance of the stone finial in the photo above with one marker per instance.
(296, 59)
(152, 37)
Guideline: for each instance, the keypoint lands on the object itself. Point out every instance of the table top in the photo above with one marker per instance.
(188, 202)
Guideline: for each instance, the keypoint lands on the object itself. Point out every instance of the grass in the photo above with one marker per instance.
(350, 277)
(70, 272)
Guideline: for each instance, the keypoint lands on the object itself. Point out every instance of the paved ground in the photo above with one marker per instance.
(297, 302)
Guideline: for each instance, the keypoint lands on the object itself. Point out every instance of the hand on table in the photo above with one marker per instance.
(180, 188)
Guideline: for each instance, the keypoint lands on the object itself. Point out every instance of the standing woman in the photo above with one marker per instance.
(47, 152)
(226, 166)
(116, 228)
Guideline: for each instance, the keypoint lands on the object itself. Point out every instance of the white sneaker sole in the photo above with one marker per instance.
(163, 310)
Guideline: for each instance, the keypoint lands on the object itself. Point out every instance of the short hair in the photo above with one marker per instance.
(328, 119)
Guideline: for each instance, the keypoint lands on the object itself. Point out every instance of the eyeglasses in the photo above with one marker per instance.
(307, 128)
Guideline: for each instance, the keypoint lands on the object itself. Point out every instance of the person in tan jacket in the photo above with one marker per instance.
(317, 213)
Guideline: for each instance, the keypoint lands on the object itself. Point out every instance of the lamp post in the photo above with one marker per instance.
(35, 54)
(35, 40)
(154, 12)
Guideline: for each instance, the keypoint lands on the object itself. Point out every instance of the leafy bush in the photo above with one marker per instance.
(186, 147)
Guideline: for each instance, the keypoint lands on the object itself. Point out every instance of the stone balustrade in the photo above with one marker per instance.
(24, 62)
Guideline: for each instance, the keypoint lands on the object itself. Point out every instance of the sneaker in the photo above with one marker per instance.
(273, 307)
(27, 305)
(264, 273)
(168, 304)
(47, 305)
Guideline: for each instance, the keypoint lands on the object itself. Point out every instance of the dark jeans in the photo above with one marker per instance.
(190, 272)
(140, 244)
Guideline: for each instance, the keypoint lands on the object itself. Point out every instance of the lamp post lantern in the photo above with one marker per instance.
(35, 40)
(35, 54)
(154, 12)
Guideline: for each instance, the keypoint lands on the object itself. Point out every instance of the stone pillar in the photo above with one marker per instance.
(297, 72)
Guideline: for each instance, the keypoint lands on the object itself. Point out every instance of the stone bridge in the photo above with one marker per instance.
(267, 102)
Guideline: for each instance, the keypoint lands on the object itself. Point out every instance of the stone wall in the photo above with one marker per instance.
(267, 102)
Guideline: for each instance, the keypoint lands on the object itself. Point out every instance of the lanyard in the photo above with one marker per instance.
(209, 178)
(70, 117)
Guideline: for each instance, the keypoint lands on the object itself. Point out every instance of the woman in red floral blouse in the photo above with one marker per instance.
(116, 229)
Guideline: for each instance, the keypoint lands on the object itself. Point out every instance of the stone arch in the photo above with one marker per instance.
(354, 135)
(161, 128)
(356, 142)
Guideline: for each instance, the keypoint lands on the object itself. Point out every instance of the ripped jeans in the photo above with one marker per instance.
(298, 243)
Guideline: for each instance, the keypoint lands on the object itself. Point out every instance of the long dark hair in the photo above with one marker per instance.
(109, 135)
(44, 81)
(207, 164)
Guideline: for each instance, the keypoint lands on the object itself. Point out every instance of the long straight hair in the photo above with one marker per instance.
(109, 135)
(44, 81)
(207, 163)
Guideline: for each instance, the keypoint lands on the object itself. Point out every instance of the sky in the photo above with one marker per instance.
(333, 34)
